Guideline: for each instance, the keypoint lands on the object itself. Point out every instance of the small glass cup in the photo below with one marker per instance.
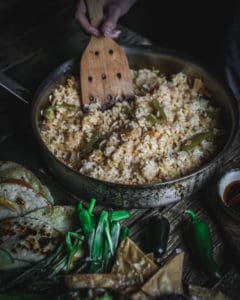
(229, 192)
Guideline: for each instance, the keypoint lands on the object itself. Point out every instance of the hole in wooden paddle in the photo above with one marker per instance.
(90, 78)
(119, 75)
(104, 76)
(96, 53)
(110, 51)
(91, 98)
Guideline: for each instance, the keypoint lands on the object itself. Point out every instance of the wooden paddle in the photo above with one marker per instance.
(104, 69)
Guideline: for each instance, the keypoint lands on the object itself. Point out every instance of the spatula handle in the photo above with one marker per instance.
(95, 12)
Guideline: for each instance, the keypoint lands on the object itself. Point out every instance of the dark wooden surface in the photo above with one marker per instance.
(35, 38)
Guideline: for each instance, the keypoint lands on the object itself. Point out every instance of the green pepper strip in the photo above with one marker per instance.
(86, 220)
(87, 223)
(108, 235)
(107, 256)
(196, 140)
(115, 234)
(159, 110)
(152, 119)
(73, 247)
(125, 109)
(124, 233)
(98, 242)
(48, 113)
(94, 140)
(119, 215)
(91, 206)
(70, 107)
(202, 244)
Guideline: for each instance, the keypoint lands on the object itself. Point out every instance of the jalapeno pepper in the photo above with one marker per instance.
(95, 139)
(158, 229)
(196, 140)
(159, 110)
(201, 242)
(49, 113)
(70, 107)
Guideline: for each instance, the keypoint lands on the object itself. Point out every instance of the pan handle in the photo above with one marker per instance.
(14, 88)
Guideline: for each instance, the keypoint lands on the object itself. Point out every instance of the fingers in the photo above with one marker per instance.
(81, 17)
(115, 10)
(110, 23)
(114, 34)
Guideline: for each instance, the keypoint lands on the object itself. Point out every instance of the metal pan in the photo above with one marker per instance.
(145, 195)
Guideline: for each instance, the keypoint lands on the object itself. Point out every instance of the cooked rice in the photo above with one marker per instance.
(128, 148)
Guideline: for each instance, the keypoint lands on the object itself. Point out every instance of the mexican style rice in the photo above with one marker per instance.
(169, 130)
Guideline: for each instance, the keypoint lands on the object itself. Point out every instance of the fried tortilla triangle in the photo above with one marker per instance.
(133, 266)
(167, 280)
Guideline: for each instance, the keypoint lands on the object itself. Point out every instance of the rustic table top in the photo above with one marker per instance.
(33, 40)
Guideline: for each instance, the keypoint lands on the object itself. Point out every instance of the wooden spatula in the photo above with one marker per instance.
(104, 69)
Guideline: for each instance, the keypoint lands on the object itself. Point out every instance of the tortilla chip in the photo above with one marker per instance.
(140, 296)
(133, 266)
(167, 280)
(80, 281)
(206, 294)
(150, 255)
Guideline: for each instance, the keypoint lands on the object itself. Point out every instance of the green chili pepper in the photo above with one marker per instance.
(70, 107)
(201, 241)
(125, 109)
(94, 141)
(158, 230)
(196, 140)
(159, 110)
(152, 119)
(48, 113)
(119, 215)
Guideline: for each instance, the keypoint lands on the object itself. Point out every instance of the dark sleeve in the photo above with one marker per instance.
(232, 57)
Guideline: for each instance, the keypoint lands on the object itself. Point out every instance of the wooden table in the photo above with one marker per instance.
(34, 39)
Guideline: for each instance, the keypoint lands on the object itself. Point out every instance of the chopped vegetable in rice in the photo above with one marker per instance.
(169, 130)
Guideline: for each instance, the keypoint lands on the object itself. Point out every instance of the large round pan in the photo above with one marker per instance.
(145, 195)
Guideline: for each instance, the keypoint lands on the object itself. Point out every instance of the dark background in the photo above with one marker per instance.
(197, 28)
(36, 36)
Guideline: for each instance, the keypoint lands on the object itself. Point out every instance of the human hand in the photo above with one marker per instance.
(113, 9)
